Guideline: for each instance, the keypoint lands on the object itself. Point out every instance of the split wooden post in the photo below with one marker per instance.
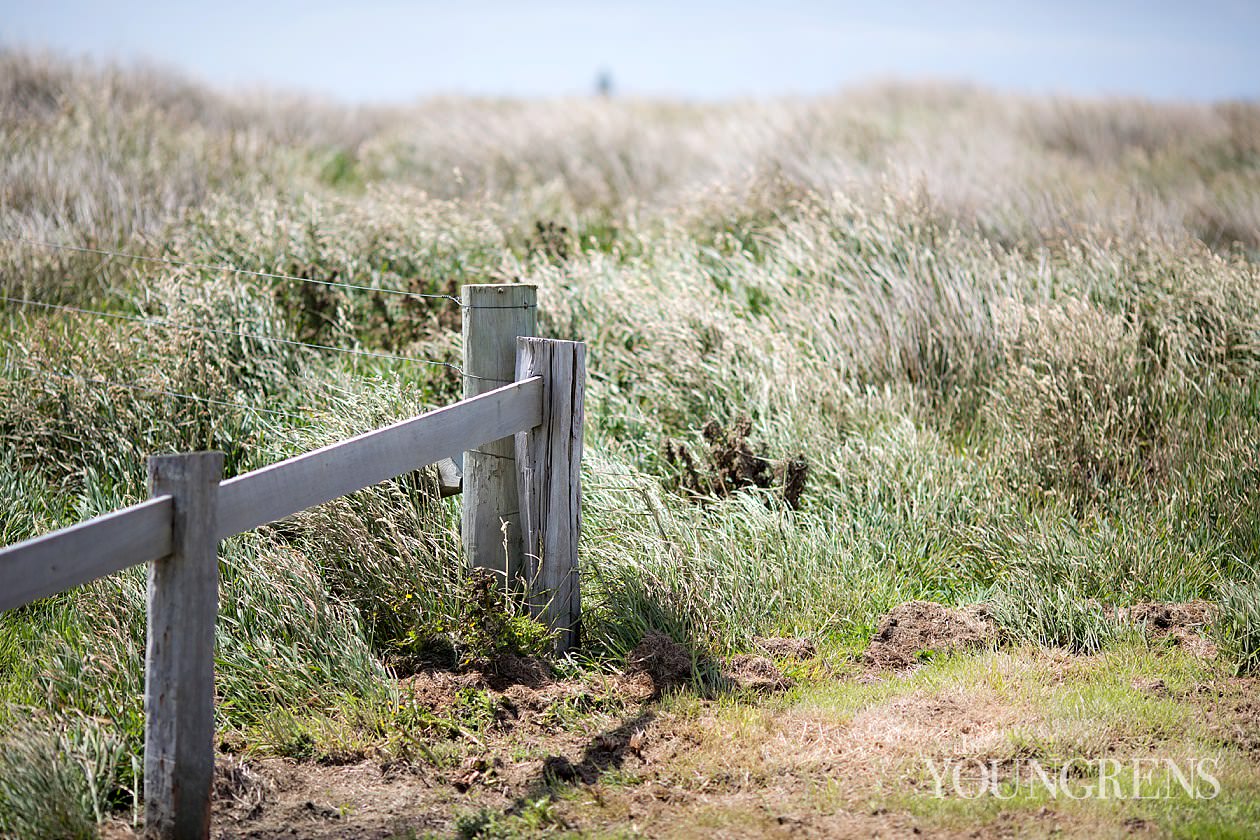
(179, 660)
(549, 460)
(494, 317)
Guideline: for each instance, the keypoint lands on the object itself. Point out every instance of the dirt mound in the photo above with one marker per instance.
(239, 789)
(918, 626)
(439, 690)
(662, 659)
(756, 673)
(1163, 618)
(476, 769)
(509, 669)
(559, 768)
(116, 829)
(1184, 623)
(785, 647)
(1152, 686)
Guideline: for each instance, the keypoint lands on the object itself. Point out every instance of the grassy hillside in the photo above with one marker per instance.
(1015, 342)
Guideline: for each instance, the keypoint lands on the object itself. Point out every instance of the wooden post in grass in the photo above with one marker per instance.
(494, 316)
(549, 460)
(179, 660)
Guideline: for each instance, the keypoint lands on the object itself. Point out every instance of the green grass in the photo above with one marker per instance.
(1016, 341)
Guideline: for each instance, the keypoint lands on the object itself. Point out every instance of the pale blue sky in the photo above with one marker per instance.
(377, 50)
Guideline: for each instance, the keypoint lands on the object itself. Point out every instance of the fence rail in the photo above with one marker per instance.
(283, 489)
(178, 530)
(72, 556)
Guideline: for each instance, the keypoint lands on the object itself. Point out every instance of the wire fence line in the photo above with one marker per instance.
(248, 272)
(227, 268)
(171, 325)
(162, 323)
(135, 386)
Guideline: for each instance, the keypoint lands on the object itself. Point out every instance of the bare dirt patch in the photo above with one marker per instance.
(785, 647)
(1183, 623)
(755, 673)
(439, 690)
(358, 801)
(664, 662)
(1232, 712)
(809, 772)
(974, 723)
(916, 627)
(540, 731)
(761, 768)
(970, 723)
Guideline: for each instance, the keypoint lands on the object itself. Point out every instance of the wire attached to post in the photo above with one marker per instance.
(171, 325)
(133, 386)
(230, 269)
(104, 252)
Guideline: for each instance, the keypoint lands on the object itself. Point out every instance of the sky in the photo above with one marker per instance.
(377, 51)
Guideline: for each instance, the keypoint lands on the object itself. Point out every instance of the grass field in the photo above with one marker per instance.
(1011, 345)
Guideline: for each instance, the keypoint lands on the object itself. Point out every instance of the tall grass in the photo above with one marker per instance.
(1017, 342)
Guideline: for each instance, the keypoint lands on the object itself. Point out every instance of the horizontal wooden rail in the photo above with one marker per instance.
(55, 562)
(283, 489)
(141, 533)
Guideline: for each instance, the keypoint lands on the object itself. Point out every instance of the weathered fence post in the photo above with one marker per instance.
(549, 460)
(179, 660)
(494, 316)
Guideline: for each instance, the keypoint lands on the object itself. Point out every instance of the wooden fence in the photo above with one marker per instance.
(520, 429)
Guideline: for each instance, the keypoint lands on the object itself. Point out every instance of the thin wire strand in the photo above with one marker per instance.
(154, 322)
(492, 454)
(145, 388)
(232, 269)
(268, 274)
